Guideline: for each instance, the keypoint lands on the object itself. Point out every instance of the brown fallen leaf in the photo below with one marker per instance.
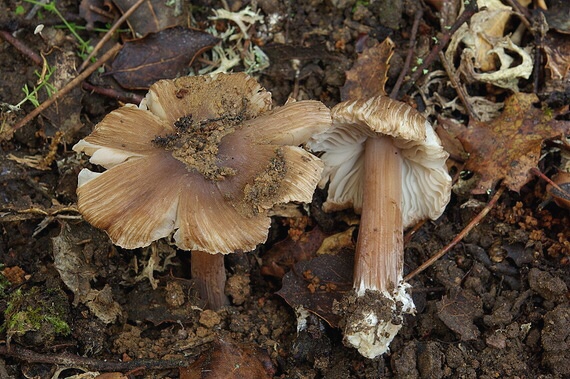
(458, 311)
(315, 285)
(153, 15)
(368, 75)
(110, 375)
(558, 15)
(284, 254)
(161, 55)
(557, 50)
(229, 360)
(509, 146)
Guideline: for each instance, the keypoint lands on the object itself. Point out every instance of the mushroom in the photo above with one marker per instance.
(202, 158)
(382, 158)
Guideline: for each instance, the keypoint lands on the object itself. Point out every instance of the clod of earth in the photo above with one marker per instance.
(204, 158)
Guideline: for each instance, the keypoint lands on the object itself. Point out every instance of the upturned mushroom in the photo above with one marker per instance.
(203, 158)
(382, 158)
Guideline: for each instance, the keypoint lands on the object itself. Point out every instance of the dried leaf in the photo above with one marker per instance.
(557, 50)
(558, 16)
(368, 76)
(284, 254)
(337, 242)
(77, 274)
(315, 285)
(111, 375)
(458, 311)
(154, 15)
(229, 360)
(509, 146)
(487, 55)
(162, 55)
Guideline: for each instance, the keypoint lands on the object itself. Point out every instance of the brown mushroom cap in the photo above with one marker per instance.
(426, 183)
(203, 157)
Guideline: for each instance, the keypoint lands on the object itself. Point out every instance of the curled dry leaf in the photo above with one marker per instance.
(486, 53)
(556, 48)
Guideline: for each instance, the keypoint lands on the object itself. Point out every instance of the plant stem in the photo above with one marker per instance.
(380, 246)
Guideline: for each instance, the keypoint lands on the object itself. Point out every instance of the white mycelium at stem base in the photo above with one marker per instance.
(379, 253)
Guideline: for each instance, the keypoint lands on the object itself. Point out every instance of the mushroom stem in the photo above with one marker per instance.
(380, 246)
(209, 273)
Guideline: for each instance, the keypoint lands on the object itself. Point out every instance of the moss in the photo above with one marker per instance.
(35, 312)
(4, 285)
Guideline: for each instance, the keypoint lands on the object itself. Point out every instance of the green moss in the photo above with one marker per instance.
(42, 312)
(4, 285)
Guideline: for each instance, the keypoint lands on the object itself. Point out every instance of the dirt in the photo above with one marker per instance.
(497, 305)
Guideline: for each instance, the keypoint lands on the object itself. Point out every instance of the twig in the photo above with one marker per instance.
(476, 220)
(72, 360)
(125, 97)
(539, 173)
(407, 63)
(451, 74)
(68, 87)
(522, 12)
(22, 48)
(443, 41)
(109, 34)
(410, 233)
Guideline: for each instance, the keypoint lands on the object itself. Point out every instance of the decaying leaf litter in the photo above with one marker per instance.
(496, 304)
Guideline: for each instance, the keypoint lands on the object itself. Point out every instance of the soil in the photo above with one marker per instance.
(497, 305)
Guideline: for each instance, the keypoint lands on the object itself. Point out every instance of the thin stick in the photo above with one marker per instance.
(451, 74)
(22, 48)
(476, 220)
(109, 34)
(539, 173)
(125, 97)
(68, 87)
(72, 360)
(522, 12)
(407, 63)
